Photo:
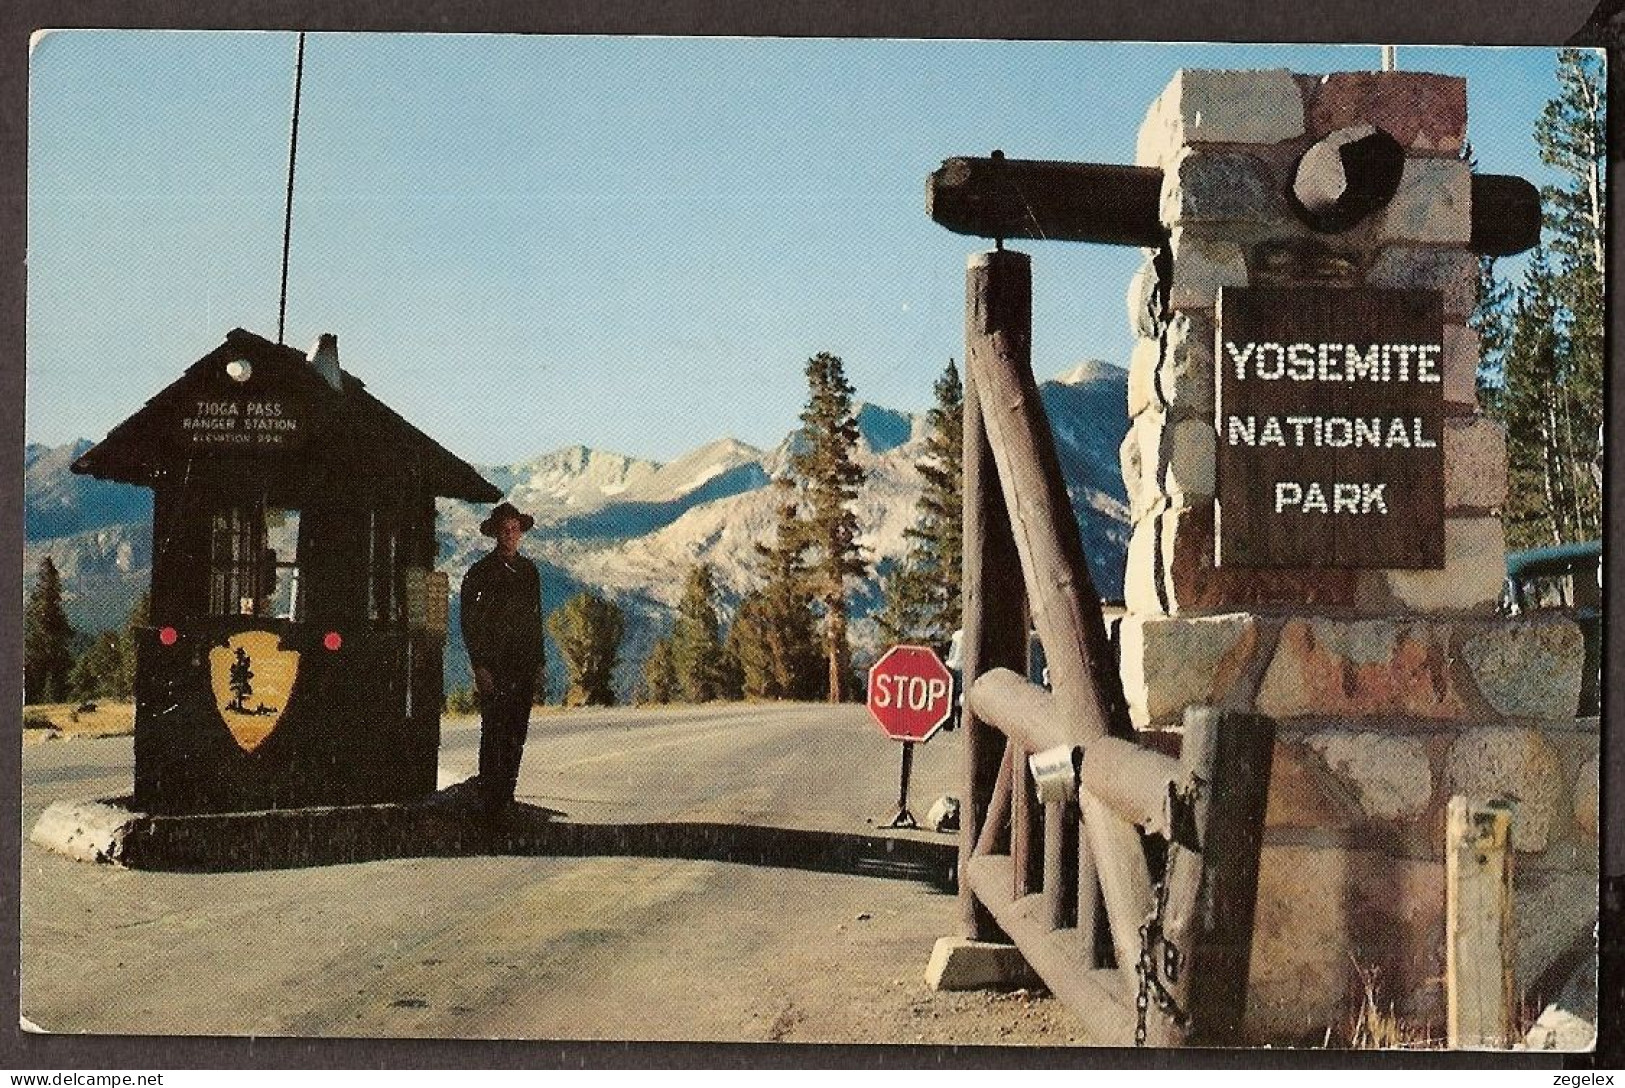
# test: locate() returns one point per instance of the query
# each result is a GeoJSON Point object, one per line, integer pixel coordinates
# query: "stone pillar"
{"type": "Point", "coordinates": [1393, 688]}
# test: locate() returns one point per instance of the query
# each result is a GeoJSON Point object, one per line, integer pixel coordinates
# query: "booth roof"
{"type": "Point", "coordinates": [348, 425]}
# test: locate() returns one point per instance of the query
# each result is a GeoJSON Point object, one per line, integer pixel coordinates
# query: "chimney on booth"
{"type": "Point", "coordinates": [325, 358]}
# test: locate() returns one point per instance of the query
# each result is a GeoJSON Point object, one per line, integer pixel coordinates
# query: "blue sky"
{"type": "Point", "coordinates": [633, 244]}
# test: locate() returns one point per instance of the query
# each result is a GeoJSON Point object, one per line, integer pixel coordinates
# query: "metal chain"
{"type": "Point", "coordinates": [1146, 966]}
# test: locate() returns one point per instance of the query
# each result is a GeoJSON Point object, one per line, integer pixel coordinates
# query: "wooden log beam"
{"type": "Point", "coordinates": [1019, 709]}
{"type": "Point", "coordinates": [1066, 608]}
{"type": "Point", "coordinates": [1133, 781]}
{"type": "Point", "coordinates": [1213, 888]}
{"type": "Point", "coordinates": [1034, 831]}
{"type": "Point", "coordinates": [1118, 205]}
{"type": "Point", "coordinates": [1130, 785]}
{"type": "Point", "coordinates": [1064, 602]}
{"type": "Point", "coordinates": [1023, 818]}
{"type": "Point", "coordinates": [1058, 201]}
{"type": "Point", "coordinates": [994, 620]}
{"type": "Point", "coordinates": [995, 834]}
{"type": "Point", "coordinates": [1062, 958]}
{"type": "Point", "coordinates": [1060, 874]}
{"type": "Point", "coordinates": [1345, 176]}
{"type": "Point", "coordinates": [1505, 215]}
{"type": "Point", "coordinates": [1087, 912]}
{"type": "Point", "coordinates": [1125, 881]}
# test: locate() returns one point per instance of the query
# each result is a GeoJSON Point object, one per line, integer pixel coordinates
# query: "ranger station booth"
{"type": "Point", "coordinates": [293, 656]}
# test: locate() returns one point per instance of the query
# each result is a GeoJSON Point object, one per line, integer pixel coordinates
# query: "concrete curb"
{"type": "Point", "coordinates": [92, 831]}
{"type": "Point", "coordinates": [111, 832]}
{"type": "Point", "coordinates": [442, 825]}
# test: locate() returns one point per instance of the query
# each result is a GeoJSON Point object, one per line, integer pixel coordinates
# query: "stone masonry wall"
{"type": "Point", "coordinates": [1227, 143]}
{"type": "Point", "coordinates": [1392, 689]}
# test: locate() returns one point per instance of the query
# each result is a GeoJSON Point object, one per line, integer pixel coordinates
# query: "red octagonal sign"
{"type": "Point", "coordinates": [911, 693]}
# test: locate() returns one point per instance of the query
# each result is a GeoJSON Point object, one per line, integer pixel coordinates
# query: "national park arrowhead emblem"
{"type": "Point", "coordinates": [252, 677]}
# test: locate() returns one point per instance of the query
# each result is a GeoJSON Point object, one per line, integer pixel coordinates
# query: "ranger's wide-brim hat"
{"type": "Point", "coordinates": [505, 510]}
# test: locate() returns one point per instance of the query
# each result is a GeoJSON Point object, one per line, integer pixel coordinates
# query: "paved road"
{"type": "Point", "coordinates": [534, 947]}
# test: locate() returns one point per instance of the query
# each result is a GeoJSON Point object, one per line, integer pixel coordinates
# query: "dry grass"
{"type": "Point", "coordinates": [1377, 1026]}
{"type": "Point", "coordinates": [103, 718]}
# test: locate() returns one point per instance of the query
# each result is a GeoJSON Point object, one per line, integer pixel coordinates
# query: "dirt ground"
{"type": "Point", "coordinates": [100, 718]}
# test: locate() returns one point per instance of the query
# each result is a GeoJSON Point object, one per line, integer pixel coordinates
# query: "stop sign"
{"type": "Point", "coordinates": [911, 693]}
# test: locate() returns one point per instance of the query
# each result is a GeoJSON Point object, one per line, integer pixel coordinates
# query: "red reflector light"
{"type": "Point", "coordinates": [332, 640]}
{"type": "Point", "coordinates": [168, 636]}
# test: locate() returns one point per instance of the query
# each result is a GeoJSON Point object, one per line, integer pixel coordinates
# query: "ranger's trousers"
{"type": "Point", "coordinates": [504, 721]}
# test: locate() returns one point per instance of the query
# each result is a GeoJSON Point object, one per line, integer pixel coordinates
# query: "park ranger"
{"type": "Point", "coordinates": [502, 628]}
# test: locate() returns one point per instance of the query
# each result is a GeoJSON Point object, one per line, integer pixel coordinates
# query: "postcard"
{"type": "Point", "coordinates": [813, 540]}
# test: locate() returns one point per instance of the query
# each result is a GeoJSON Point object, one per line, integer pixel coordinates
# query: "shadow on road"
{"type": "Point", "coordinates": [775, 847]}
{"type": "Point", "coordinates": [448, 827]}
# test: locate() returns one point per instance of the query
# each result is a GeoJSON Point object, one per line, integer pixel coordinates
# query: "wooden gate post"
{"type": "Point", "coordinates": [1087, 693]}
{"type": "Point", "coordinates": [995, 607]}
{"type": "Point", "coordinates": [1478, 923]}
{"type": "Point", "coordinates": [1065, 605]}
{"type": "Point", "coordinates": [1212, 873]}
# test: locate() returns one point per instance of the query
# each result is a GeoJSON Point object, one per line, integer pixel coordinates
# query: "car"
{"type": "Point", "coordinates": [1565, 578]}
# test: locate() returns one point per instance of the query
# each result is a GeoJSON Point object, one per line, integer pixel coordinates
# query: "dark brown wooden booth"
{"type": "Point", "coordinates": [293, 656]}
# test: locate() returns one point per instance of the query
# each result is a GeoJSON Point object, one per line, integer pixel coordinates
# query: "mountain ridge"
{"type": "Point", "coordinates": [626, 526]}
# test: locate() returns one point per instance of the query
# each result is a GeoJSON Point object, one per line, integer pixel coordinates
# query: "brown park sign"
{"type": "Point", "coordinates": [1330, 412]}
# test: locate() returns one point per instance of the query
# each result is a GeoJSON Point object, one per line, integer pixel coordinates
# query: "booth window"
{"type": "Point", "coordinates": [281, 591]}
{"type": "Point", "coordinates": [385, 591]}
{"type": "Point", "coordinates": [253, 562]}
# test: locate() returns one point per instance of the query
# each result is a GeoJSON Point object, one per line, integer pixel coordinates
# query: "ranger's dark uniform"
{"type": "Point", "coordinates": [502, 628]}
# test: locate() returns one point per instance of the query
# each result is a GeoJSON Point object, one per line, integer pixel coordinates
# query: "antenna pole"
{"type": "Point", "coordinates": [287, 218]}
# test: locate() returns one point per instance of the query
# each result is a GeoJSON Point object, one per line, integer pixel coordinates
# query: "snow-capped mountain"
{"type": "Point", "coordinates": [57, 503]}
{"type": "Point", "coordinates": [624, 526]}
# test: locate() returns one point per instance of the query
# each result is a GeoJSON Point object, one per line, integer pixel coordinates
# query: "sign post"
{"type": "Point", "coordinates": [903, 817]}
{"type": "Point", "coordinates": [910, 698]}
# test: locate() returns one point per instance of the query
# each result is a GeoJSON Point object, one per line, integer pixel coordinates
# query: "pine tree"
{"type": "Point", "coordinates": [774, 640]}
{"type": "Point", "coordinates": [659, 674]}
{"type": "Point", "coordinates": [240, 679]}
{"type": "Point", "coordinates": [140, 616]}
{"type": "Point", "coordinates": [828, 477]}
{"type": "Point", "coordinates": [47, 659]}
{"type": "Point", "coordinates": [588, 630]}
{"type": "Point", "coordinates": [1523, 370]}
{"type": "Point", "coordinates": [97, 671]}
{"type": "Point", "coordinates": [731, 672]}
{"type": "Point", "coordinates": [1548, 497]}
{"type": "Point", "coordinates": [775, 632]}
{"type": "Point", "coordinates": [749, 644]}
{"type": "Point", "coordinates": [696, 639]}
{"type": "Point", "coordinates": [923, 591]}
{"type": "Point", "coordinates": [1543, 359]}
{"type": "Point", "coordinates": [1572, 136]}
{"type": "Point", "coordinates": [1490, 319]}
{"type": "Point", "coordinates": [106, 667]}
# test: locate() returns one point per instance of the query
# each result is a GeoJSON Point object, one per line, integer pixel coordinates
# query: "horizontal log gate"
{"type": "Point", "coordinates": [1173, 970]}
